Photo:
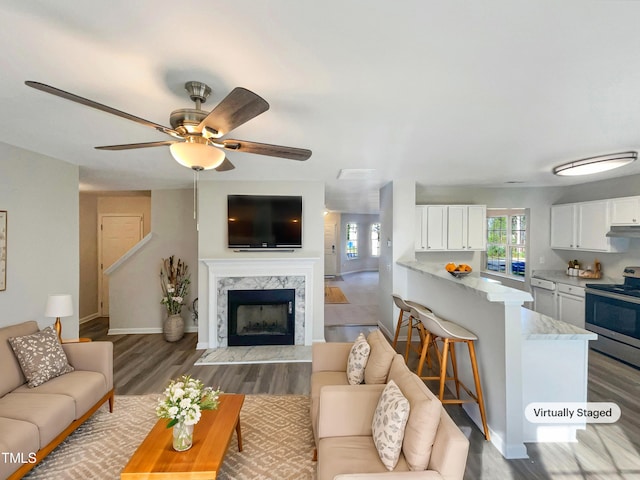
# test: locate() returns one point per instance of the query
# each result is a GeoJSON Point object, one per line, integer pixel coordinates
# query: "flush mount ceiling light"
{"type": "Point", "coordinates": [598, 164]}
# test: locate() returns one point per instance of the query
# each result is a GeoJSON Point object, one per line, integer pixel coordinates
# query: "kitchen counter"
{"type": "Point", "coordinates": [488, 288]}
{"type": "Point", "coordinates": [559, 276]}
{"type": "Point", "coordinates": [536, 326]}
{"type": "Point", "coordinates": [517, 351]}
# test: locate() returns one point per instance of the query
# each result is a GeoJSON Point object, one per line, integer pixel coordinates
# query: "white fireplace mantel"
{"type": "Point", "coordinates": [224, 268]}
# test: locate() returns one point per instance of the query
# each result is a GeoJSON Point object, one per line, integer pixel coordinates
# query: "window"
{"type": "Point", "coordinates": [352, 240]}
{"type": "Point", "coordinates": [506, 241]}
{"type": "Point", "coordinates": [375, 240]}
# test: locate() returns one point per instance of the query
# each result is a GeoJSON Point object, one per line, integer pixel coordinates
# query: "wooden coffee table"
{"type": "Point", "coordinates": [156, 459]}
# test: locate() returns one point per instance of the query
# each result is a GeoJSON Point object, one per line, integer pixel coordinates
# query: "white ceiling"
{"type": "Point", "coordinates": [444, 92]}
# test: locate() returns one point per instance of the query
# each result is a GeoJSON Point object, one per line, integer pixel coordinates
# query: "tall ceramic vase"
{"type": "Point", "coordinates": [173, 328]}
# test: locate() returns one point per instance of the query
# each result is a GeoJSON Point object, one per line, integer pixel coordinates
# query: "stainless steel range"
{"type": "Point", "coordinates": [613, 312]}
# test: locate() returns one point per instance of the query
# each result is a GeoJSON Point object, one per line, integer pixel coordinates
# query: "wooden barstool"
{"type": "Point", "coordinates": [407, 319]}
{"type": "Point", "coordinates": [451, 333]}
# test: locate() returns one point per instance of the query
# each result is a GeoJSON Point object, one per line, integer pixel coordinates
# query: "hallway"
{"type": "Point", "coordinates": [344, 321]}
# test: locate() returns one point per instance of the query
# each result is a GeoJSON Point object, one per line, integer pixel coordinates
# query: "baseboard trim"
{"type": "Point", "coordinates": [359, 271]}
{"type": "Point", "coordinates": [88, 318]}
{"type": "Point", "coordinates": [144, 330]}
{"type": "Point", "coordinates": [386, 332]}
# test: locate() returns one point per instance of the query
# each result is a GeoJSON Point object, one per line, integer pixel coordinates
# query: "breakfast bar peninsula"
{"type": "Point", "coordinates": [517, 351]}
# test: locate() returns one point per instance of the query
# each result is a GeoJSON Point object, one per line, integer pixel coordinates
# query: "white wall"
{"type": "Point", "coordinates": [135, 294]}
{"type": "Point", "coordinates": [212, 241]}
{"type": "Point", "coordinates": [40, 195]}
{"type": "Point", "coordinates": [397, 219]}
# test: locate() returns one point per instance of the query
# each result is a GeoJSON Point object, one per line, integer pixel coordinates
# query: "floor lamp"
{"type": "Point", "coordinates": [59, 305]}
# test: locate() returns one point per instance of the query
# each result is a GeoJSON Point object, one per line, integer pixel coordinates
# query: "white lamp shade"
{"type": "Point", "coordinates": [197, 155]}
{"type": "Point", "coordinates": [59, 305]}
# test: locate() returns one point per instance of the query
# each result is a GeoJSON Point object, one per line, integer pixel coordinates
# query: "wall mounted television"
{"type": "Point", "coordinates": [264, 221]}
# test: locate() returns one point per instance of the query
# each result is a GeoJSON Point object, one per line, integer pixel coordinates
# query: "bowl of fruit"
{"type": "Point", "coordinates": [458, 271]}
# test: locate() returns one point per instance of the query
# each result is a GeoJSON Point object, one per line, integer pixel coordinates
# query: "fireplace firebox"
{"type": "Point", "coordinates": [261, 317]}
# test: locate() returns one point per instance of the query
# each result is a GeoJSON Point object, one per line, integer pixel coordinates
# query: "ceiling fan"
{"type": "Point", "coordinates": [197, 134]}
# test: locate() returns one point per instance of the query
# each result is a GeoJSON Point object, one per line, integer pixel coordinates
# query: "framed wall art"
{"type": "Point", "coordinates": [3, 250]}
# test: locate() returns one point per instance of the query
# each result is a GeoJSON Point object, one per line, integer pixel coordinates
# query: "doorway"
{"type": "Point", "coordinates": [117, 234]}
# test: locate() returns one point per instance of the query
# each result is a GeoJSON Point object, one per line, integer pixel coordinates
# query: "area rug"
{"type": "Point", "coordinates": [334, 295]}
{"type": "Point", "coordinates": [276, 436]}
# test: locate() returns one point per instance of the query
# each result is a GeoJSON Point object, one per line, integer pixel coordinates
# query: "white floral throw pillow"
{"type": "Point", "coordinates": [388, 424]}
{"type": "Point", "coordinates": [357, 360]}
{"type": "Point", "coordinates": [41, 356]}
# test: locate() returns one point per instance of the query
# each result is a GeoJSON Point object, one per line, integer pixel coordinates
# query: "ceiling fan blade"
{"type": "Point", "coordinates": [291, 153]}
{"type": "Point", "coordinates": [225, 166]}
{"type": "Point", "coordinates": [90, 103]}
{"type": "Point", "coordinates": [130, 146]}
{"type": "Point", "coordinates": [240, 106]}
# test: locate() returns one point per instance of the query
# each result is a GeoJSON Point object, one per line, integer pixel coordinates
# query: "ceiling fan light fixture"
{"type": "Point", "coordinates": [197, 154]}
{"type": "Point", "coordinates": [597, 164]}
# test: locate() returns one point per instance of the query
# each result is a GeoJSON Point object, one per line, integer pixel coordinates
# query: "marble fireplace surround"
{"type": "Point", "coordinates": [259, 274]}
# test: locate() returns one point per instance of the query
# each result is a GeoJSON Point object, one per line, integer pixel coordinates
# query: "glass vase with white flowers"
{"type": "Point", "coordinates": [182, 403]}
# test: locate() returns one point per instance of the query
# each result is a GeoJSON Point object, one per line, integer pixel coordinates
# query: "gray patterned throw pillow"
{"type": "Point", "coordinates": [357, 360]}
{"type": "Point", "coordinates": [41, 356]}
{"type": "Point", "coordinates": [388, 424]}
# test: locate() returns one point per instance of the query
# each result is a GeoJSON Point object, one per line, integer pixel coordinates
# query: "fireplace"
{"type": "Point", "coordinates": [261, 317]}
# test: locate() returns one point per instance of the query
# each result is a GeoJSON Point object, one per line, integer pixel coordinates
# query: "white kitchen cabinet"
{"type": "Point", "coordinates": [450, 227]}
{"type": "Point", "coordinates": [420, 229]}
{"type": "Point", "coordinates": [477, 227]}
{"type": "Point", "coordinates": [457, 228]}
{"type": "Point", "coordinates": [563, 226]}
{"type": "Point", "coordinates": [592, 226]}
{"type": "Point", "coordinates": [584, 226]}
{"type": "Point", "coordinates": [571, 304]}
{"type": "Point", "coordinates": [544, 297]}
{"type": "Point", "coordinates": [431, 228]}
{"type": "Point", "coordinates": [625, 211]}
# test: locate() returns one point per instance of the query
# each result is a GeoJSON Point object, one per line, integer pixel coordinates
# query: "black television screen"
{"type": "Point", "coordinates": [264, 221]}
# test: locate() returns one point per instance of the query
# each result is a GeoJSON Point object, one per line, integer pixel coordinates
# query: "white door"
{"type": "Point", "coordinates": [330, 256]}
{"type": "Point", "coordinates": [116, 236]}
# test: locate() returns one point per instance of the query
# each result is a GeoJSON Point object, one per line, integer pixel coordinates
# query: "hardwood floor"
{"type": "Point", "coordinates": [145, 363]}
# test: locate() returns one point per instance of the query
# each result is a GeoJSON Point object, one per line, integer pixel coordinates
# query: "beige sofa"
{"type": "Point", "coordinates": [33, 421]}
{"type": "Point", "coordinates": [433, 446]}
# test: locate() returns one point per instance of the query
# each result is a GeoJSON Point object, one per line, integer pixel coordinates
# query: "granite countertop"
{"type": "Point", "coordinates": [560, 276]}
{"type": "Point", "coordinates": [536, 326]}
{"type": "Point", "coordinates": [492, 290]}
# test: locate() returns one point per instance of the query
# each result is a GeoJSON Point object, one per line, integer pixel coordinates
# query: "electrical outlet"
{"type": "Point", "coordinates": [541, 260]}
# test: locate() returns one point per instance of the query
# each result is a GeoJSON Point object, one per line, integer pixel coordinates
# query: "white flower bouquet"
{"type": "Point", "coordinates": [184, 399]}
{"type": "Point", "coordinates": [174, 281]}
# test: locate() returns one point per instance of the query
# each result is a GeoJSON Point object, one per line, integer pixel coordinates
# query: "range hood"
{"type": "Point", "coordinates": [631, 231]}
